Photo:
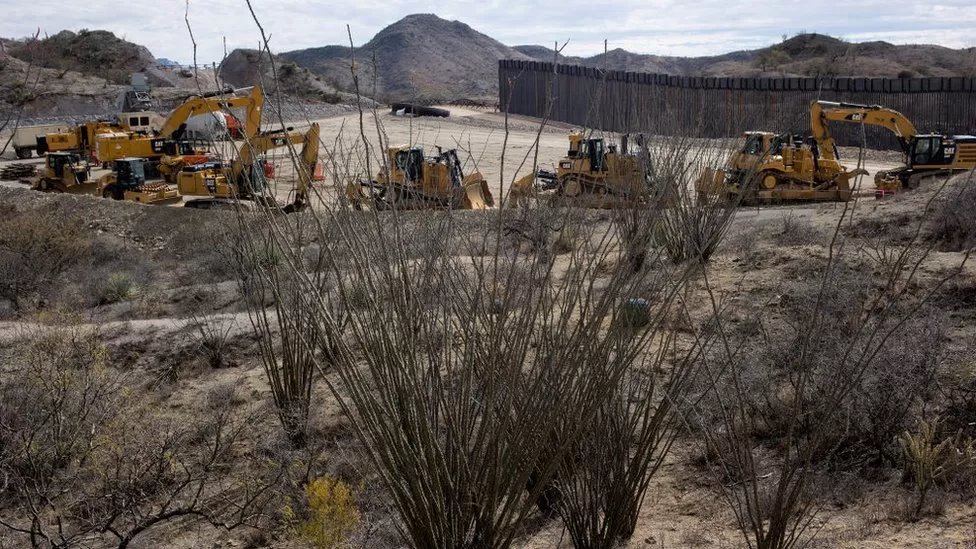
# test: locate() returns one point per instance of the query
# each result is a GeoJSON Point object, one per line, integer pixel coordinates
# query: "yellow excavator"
{"type": "Point", "coordinates": [218, 185]}
{"type": "Point", "coordinates": [416, 181]}
{"type": "Point", "coordinates": [64, 172]}
{"type": "Point", "coordinates": [166, 151]}
{"type": "Point", "coordinates": [926, 155]}
{"type": "Point", "coordinates": [592, 174]}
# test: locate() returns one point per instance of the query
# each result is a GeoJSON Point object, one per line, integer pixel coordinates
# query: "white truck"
{"type": "Point", "coordinates": [24, 140]}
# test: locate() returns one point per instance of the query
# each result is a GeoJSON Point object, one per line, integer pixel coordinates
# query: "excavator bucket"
{"type": "Point", "coordinates": [476, 193]}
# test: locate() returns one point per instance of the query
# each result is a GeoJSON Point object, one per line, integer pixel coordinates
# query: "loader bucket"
{"type": "Point", "coordinates": [476, 193]}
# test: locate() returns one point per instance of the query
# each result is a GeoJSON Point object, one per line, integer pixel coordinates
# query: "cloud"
{"type": "Point", "coordinates": [663, 27]}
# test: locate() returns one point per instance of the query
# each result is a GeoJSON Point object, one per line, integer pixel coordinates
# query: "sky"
{"type": "Point", "coordinates": [661, 27]}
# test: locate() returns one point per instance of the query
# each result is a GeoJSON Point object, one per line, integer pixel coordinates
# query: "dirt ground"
{"type": "Point", "coordinates": [478, 135]}
{"type": "Point", "coordinates": [149, 332]}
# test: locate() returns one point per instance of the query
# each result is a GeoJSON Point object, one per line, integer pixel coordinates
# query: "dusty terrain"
{"type": "Point", "coordinates": [173, 258]}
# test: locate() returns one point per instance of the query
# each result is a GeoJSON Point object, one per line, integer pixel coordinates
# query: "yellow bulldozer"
{"type": "Point", "coordinates": [592, 174]}
{"type": "Point", "coordinates": [64, 172]}
{"type": "Point", "coordinates": [771, 167]}
{"type": "Point", "coordinates": [218, 184]}
{"type": "Point", "coordinates": [412, 180]}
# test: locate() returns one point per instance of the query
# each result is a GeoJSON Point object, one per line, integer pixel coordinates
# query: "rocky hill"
{"type": "Point", "coordinates": [71, 76]}
{"type": "Point", "coordinates": [245, 67]}
{"type": "Point", "coordinates": [94, 53]}
{"type": "Point", "coordinates": [802, 55]}
{"type": "Point", "coordinates": [419, 57]}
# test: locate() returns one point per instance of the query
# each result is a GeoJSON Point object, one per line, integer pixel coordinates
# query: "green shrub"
{"type": "Point", "coordinates": [330, 516]}
{"type": "Point", "coordinates": [117, 287]}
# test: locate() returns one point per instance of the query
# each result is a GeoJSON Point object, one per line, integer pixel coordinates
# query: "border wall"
{"type": "Point", "coordinates": [628, 102]}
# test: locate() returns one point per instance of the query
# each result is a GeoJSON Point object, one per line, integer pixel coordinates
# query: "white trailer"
{"type": "Point", "coordinates": [24, 141]}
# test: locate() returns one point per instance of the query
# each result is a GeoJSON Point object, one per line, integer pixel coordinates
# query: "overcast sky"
{"type": "Point", "coordinates": [663, 27]}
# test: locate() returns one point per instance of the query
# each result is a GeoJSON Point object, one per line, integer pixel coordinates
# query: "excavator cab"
{"type": "Point", "coordinates": [927, 149]}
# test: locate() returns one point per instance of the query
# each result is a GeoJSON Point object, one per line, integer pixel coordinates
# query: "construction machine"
{"type": "Point", "coordinates": [166, 152]}
{"type": "Point", "coordinates": [415, 181]}
{"type": "Point", "coordinates": [926, 155]}
{"type": "Point", "coordinates": [128, 182]}
{"type": "Point", "coordinates": [783, 167]}
{"type": "Point", "coordinates": [64, 173]}
{"type": "Point", "coordinates": [78, 139]}
{"type": "Point", "coordinates": [218, 184]}
{"type": "Point", "coordinates": [592, 174]}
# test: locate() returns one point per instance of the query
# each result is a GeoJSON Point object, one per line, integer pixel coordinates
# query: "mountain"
{"type": "Point", "coordinates": [802, 55]}
{"type": "Point", "coordinates": [420, 57]}
{"type": "Point", "coordinates": [245, 67]}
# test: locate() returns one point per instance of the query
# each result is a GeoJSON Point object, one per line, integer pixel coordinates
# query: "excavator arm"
{"type": "Point", "coordinates": [308, 158]}
{"type": "Point", "coordinates": [201, 105]}
{"type": "Point", "coordinates": [822, 112]}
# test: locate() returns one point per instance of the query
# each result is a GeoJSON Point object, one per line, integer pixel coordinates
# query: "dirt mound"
{"type": "Point", "coordinates": [419, 57]}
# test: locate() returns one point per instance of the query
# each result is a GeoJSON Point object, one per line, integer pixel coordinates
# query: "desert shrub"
{"type": "Point", "coordinates": [328, 516]}
{"type": "Point", "coordinates": [953, 223]}
{"type": "Point", "coordinates": [794, 230]}
{"type": "Point", "coordinates": [884, 395]}
{"type": "Point", "coordinates": [210, 332]}
{"type": "Point", "coordinates": [36, 248]}
{"type": "Point", "coordinates": [930, 462]}
{"type": "Point", "coordinates": [117, 287]}
{"type": "Point", "coordinates": [86, 463]}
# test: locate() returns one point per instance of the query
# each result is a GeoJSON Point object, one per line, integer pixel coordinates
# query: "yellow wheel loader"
{"type": "Point", "coordinates": [128, 182]}
{"type": "Point", "coordinates": [415, 181]}
{"type": "Point", "coordinates": [592, 175]}
{"type": "Point", "coordinates": [64, 173]}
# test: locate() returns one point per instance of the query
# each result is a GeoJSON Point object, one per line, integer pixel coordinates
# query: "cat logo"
{"type": "Point", "coordinates": [855, 117]}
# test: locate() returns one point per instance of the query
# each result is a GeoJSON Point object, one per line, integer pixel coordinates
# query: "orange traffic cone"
{"type": "Point", "coordinates": [319, 173]}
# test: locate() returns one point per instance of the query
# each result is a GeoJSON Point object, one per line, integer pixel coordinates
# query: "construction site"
{"type": "Point", "coordinates": [537, 304]}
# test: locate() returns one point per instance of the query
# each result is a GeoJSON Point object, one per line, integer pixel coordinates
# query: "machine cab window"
{"type": "Point", "coordinates": [754, 145]}
{"type": "Point", "coordinates": [596, 151]}
{"type": "Point", "coordinates": [411, 162]}
{"type": "Point", "coordinates": [927, 150]}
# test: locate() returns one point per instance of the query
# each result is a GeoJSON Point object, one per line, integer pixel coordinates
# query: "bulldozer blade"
{"type": "Point", "coordinates": [476, 192]}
